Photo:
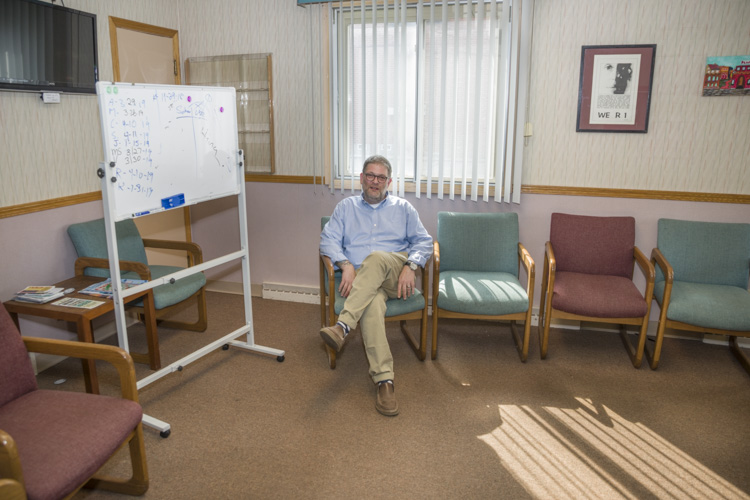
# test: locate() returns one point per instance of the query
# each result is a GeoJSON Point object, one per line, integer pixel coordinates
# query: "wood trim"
{"type": "Point", "coordinates": [269, 70]}
{"type": "Point", "coordinates": [284, 179]}
{"type": "Point", "coordinates": [38, 206]}
{"type": "Point", "coordinates": [638, 193]}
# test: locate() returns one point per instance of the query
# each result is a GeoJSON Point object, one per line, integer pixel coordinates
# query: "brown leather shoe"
{"type": "Point", "coordinates": [386, 401]}
{"type": "Point", "coordinates": [334, 336]}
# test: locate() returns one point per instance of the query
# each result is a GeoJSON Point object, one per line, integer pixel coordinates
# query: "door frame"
{"type": "Point", "coordinates": [116, 22]}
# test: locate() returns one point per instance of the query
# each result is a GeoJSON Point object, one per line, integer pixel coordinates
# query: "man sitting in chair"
{"type": "Point", "coordinates": [378, 242]}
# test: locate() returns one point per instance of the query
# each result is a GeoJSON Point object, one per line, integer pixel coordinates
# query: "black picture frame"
{"type": "Point", "coordinates": [615, 88]}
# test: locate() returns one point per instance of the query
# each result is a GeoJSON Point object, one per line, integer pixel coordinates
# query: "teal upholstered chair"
{"type": "Point", "coordinates": [414, 308]}
{"type": "Point", "coordinates": [702, 271]}
{"type": "Point", "coordinates": [588, 276]}
{"type": "Point", "coordinates": [90, 242]}
{"type": "Point", "coordinates": [476, 266]}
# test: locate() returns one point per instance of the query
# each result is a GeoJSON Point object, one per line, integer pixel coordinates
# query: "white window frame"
{"type": "Point", "coordinates": [510, 111]}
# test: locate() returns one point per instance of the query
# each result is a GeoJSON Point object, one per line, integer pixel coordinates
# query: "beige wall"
{"type": "Point", "coordinates": [694, 143]}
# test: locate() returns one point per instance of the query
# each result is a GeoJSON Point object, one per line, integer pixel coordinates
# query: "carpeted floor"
{"type": "Point", "coordinates": [474, 423]}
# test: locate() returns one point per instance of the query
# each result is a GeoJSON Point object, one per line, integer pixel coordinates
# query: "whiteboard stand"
{"type": "Point", "coordinates": [192, 125]}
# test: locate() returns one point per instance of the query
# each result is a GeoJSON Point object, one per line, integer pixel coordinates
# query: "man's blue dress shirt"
{"type": "Point", "coordinates": [356, 229]}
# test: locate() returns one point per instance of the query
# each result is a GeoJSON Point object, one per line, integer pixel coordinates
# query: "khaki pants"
{"type": "Point", "coordinates": [375, 283]}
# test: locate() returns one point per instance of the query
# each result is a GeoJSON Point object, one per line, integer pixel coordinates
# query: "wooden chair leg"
{"type": "Point", "coordinates": [137, 484]}
{"type": "Point", "coordinates": [522, 346]}
{"type": "Point", "coordinates": [418, 348]}
{"type": "Point", "coordinates": [654, 358]}
{"type": "Point", "coordinates": [198, 326]}
{"type": "Point", "coordinates": [434, 331]}
{"type": "Point", "coordinates": [635, 353]}
{"type": "Point", "coordinates": [739, 353]}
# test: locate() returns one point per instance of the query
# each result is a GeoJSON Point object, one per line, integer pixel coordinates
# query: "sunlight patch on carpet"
{"type": "Point", "coordinates": [592, 452]}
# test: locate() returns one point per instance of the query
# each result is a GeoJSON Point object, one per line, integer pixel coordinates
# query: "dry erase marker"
{"type": "Point", "coordinates": [141, 213]}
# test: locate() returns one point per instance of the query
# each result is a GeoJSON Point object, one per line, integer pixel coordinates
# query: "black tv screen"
{"type": "Point", "coordinates": [46, 47]}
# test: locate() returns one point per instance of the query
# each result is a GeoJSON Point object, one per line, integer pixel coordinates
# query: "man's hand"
{"type": "Point", "coordinates": [406, 282]}
{"type": "Point", "coordinates": [347, 277]}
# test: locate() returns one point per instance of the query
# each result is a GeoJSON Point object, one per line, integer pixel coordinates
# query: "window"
{"type": "Point", "coordinates": [428, 86]}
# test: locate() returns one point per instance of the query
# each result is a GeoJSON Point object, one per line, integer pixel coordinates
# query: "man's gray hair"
{"type": "Point", "coordinates": [382, 160]}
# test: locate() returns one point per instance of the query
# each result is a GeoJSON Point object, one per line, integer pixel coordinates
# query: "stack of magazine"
{"type": "Point", "coordinates": [104, 289]}
{"type": "Point", "coordinates": [38, 294]}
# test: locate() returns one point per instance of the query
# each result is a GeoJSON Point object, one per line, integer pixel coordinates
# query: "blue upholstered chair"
{"type": "Point", "coordinates": [414, 308]}
{"type": "Point", "coordinates": [702, 271]}
{"type": "Point", "coordinates": [53, 442]}
{"type": "Point", "coordinates": [90, 242]}
{"type": "Point", "coordinates": [476, 266]}
{"type": "Point", "coordinates": [588, 276]}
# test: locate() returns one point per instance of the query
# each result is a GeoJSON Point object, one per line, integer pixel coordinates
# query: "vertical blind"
{"type": "Point", "coordinates": [436, 87]}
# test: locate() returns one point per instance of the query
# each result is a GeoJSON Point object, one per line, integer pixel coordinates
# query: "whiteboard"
{"type": "Point", "coordinates": [167, 146]}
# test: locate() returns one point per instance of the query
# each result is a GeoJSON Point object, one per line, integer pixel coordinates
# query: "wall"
{"type": "Point", "coordinates": [283, 218]}
{"type": "Point", "coordinates": [687, 132]}
{"type": "Point", "coordinates": [65, 139]}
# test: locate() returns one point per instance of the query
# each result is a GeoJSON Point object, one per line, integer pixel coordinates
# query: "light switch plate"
{"type": "Point", "coordinates": [51, 97]}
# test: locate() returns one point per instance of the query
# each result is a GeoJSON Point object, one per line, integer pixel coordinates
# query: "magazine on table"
{"type": "Point", "coordinates": [78, 303]}
{"type": "Point", "coordinates": [38, 294]}
{"type": "Point", "coordinates": [104, 289]}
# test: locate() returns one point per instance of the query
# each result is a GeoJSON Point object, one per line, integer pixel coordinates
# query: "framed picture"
{"type": "Point", "coordinates": [614, 93]}
{"type": "Point", "coordinates": [727, 76]}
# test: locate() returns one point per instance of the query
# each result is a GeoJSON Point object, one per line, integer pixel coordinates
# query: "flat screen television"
{"type": "Point", "coordinates": [46, 47]}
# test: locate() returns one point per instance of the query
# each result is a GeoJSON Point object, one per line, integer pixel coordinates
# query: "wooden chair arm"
{"type": "Point", "coordinates": [435, 270]}
{"type": "Point", "coordinates": [524, 257]}
{"type": "Point", "coordinates": [125, 265]}
{"type": "Point", "coordinates": [10, 489]}
{"type": "Point", "coordinates": [648, 271]}
{"type": "Point", "coordinates": [426, 277]}
{"type": "Point", "coordinates": [328, 268]}
{"type": "Point", "coordinates": [658, 259]}
{"type": "Point", "coordinates": [327, 263]}
{"type": "Point", "coordinates": [120, 359]}
{"type": "Point", "coordinates": [194, 251]}
{"type": "Point", "coordinates": [10, 469]}
{"type": "Point", "coordinates": [549, 257]}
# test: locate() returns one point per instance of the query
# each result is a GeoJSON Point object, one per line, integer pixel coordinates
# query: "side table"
{"type": "Point", "coordinates": [83, 318]}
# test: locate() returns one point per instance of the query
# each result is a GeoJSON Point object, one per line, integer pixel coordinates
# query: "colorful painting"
{"type": "Point", "coordinates": [727, 76]}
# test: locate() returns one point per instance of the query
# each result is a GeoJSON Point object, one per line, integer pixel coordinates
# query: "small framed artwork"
{"type": "Point", "coordinates": [727, 76]}
{"type": "Point", "coordinates": [614, 93]}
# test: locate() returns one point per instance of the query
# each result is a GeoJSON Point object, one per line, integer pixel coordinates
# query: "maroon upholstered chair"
{"type": "Point", "coordinates": [588, 276]}
{"type": "Point", "coordinates": [52, 443]}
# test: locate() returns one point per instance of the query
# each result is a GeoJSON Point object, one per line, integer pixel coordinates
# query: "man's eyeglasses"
{"type": "Point", "coordinates": [372, 177]}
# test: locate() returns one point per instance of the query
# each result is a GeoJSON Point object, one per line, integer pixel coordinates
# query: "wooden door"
{"type": "Point", "coordinates": [143, 53]}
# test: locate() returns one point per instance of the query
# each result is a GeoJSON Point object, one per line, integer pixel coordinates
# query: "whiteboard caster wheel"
{"type": "Point", "coordinates": [280, 359]}
{"type": "Point", "coordinates": [165, 434]}
{"type": "Point", "coordinates": [225, 347]}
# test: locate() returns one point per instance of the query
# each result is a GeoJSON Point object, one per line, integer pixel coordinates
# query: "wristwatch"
{"type": "Point", "coordinates": [412, 265]}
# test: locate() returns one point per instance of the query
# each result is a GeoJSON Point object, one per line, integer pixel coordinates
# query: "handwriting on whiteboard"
{"type": "Point", "coordinates": [133, 130]}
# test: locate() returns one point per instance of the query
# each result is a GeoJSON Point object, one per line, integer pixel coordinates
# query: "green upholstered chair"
{"type": "Point", "coordinates": [702, 271]}
{"type": "Point", "coordinates": [414, 308]}
{"type": "Point", "coordinates": [476, 266]}
{"type": "Point", "coordinates": [53, 442]}
{"type": "Point", "coordinates": [90, 242]}
{"type": "Point", "coordinates": [588, 276]}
